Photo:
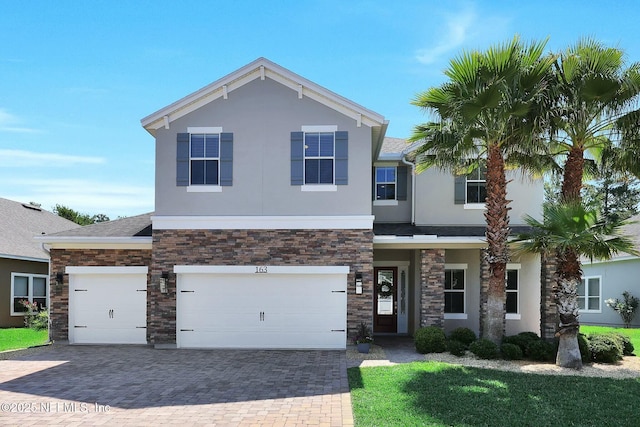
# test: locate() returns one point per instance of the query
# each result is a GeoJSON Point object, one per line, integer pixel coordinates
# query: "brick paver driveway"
{"type": "Point", "coordinates": [117, 385]}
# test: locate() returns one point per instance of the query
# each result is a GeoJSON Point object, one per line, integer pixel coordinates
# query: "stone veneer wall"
{"type": "Point", "coordinates": [432, 287]}
{"type": "Point", "coordinates": [548, 311]}
{"type": "Point", "coordinates": [59, 295]}
{"type": "Point", "coordinates": [353, 248]}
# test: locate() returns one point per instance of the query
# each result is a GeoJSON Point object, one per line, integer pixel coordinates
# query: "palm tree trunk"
{"type": "Point", "coordinates": [566, 295]}
{"type": "Point", "coordinates": [497, 233]}
{"type": "Point", "coordinates": [569, 272]}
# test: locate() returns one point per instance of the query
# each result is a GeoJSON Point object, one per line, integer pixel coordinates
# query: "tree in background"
{"type": "Point", "coordinates": [78, 218]}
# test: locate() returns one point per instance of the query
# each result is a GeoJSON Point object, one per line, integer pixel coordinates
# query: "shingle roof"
{"type": "Point", "coordinates": [20, 223]}
{"type": "Point", "coordinates": [393, 145]}
{"type": "Point", "coordinates": [134, 226]}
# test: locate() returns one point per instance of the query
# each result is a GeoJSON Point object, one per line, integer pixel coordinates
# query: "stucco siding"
{"type": "Point", "coordinates": [261, 115]}
{"type": "Point", "coordinates": [435, 200]}
{"type": "Point", "coordinates": [616, 277]}
{"type": "Point", "coordinates": [8, 266]}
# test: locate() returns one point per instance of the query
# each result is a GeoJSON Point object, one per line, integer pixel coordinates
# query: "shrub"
{"type": "Point", "coordinates": [625, 308]}
{"type": "Point", "coordinates": [541, 351]}
{"type": "Point", "coordinates": [605, 348]}
{"type": "Point", "coordinates": [511, 351]}
{"type": "Point", "coordinates": [463, 335]}
{"type": "Point", "coordinates": [484, 349]}
{"type": "Point", "coordinates": [522, 340]}
{"type": "Point", "coordinates": [430, 339]}
{"type": "Point", "coordinates": [35, 318]}
{"type": "Point", "coordinates": [457, 348]}
{"type": "Point", "coordinates": [627, 345]}
{"type": "Point", "coordinates": [583, 343]}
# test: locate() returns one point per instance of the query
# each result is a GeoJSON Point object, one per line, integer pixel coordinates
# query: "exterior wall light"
{"type": "Point", "coordinates": [163, 282]}
{"type": "Point", "coordinates": [358, 283]}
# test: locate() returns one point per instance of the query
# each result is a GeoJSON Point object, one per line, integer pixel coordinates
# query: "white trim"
{"type": "Point", "coordinates": [515, 266]}
{"type": "Point", "coordinates": [23, 258]}
{"type": "Point", "coordinates": [29, 297]}
{"type": "Point", "coordinates": [249, 73]}
{"type": "Point", "coordinates": [84, 242]}
{"type": "Point", "coordinates": [513, 316]}
{"type": "Point", "coordinates": [204, 189]}
{"type": "Point", "coordinates": [209, 129]}
{"type": "Point", "coordinates": [353, 222]}
{"type": "Point", "coordinates": [106, 270]}
{"type": "Point", "coordinates": [456, 316]}
{"type": "Point", "coordinates": [260, 269]}
{"type": "Point", "coordinates": [385, 203]}
{"type": "Point", "coordinates": [586, 296]}
{"type": "Point", "coordinates": [319, 187]}
{"type": "Point", "coordinates": [319, 128]}
{"type": "Point", "coordinates": [475, 206]}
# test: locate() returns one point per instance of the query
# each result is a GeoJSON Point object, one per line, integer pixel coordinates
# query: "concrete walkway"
{"type": "Point", "coordinates": [130, 385]}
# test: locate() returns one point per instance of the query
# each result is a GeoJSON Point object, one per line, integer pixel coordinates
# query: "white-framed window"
{"type": "Point", "coordinates": [319, 158]}
{"type": "Point", "coordinates": [29, 287]}
{"type": "Point", "coordinates": [454, 290]}
{"type": "Point", "coordinates": [589, 294]}
{"type": "Point", "coordinates": [204, 158]}
{"type": "Point", "coordinates": [386, 178]}
{"type": "Point", "coordinates": [513, 292]}
{"type": "Point", "coordinates": [477, 186]}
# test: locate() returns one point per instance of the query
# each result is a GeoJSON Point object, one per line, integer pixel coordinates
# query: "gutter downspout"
{"type": "Point", "coordinates": [413, 181]}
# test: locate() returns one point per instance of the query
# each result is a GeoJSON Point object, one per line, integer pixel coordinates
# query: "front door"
{"type": "Point", "coordinates": [385, 301]}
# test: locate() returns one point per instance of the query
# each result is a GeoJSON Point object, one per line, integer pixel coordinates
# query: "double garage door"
{"type": "Point", "coordinates": [261, 307]}
{"type": "Point", "coordinates": [217, 306]}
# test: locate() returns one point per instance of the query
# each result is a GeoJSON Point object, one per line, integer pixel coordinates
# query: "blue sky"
{"type": "Point", "coordinates": [76, 77]}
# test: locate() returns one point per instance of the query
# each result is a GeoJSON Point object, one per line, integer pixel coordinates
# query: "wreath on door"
{"type": "Point", "coordinates": [385, 290]}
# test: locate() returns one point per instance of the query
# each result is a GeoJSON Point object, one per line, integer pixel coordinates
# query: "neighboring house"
{"type": "Point", "coordinates": [263, 235]}
{"type": "Point", "coordinates": [24, 263]}
{"type": "Point", "coordinates": [603, 280]}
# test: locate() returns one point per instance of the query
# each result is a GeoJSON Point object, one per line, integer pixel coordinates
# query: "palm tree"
{"type": "Point", "coordinates": [595, 95]}
{"type": "Point", "coordinates": [572, 231]}
{"type": "Point", "coordinates": [487, 112]}
{"type": "Point", "coordinates": [593, 112]}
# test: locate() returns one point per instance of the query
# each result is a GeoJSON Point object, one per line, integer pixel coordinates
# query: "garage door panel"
{"type": "Point", "coordinates": [262, 311]}
{"type": "Point", "coordinates": [108, 308]}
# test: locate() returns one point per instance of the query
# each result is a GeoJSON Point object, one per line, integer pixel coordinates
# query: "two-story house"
{"type": "Point", "coordinates": [283, 219]}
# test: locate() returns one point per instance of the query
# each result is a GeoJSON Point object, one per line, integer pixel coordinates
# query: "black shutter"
{"type": "Point", "coordinates": [460, 190]}
{"type": "Point", "coordinates": [182, 160]}
{"type": "Point", "coordinates": [401, 183]}
{"type": "Point", "coordinates": [342, 158]}
{"type": "Point", "coordinates": [226, 159]}
{"type": "Point", "coordinates": [297, 158]}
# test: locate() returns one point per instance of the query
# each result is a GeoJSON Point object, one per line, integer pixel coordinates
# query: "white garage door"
{"type": "Point", "coordinates": [107, 305]}
{"type": "Point", "coordinates": [279, 307]}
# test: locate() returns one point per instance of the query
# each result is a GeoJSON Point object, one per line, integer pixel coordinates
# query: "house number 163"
{"type": "Point", "coordinates": [261, 269]}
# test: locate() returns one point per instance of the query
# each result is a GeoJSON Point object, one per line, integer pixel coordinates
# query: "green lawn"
{"type": "Point", "coordinates": [440, 394]}
{"type": "Point", "coordinates": [12, 338]}
{"type": "Point", "coordinates": [632, 333]}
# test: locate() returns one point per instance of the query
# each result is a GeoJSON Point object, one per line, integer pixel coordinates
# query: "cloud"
{"type": "Point", "coordinates": [455, 34]}
{"type": "Point", "coordinates": [9, 123]}
{"type": "Point", "coordinates": [21, 158]}
{"type": "Point", "coordinates": [85, 196]}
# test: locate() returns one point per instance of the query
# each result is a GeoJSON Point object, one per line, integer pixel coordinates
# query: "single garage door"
{"type": "Point", "coordinates": [262, 307]}
{"type": "Point", "coordinates": [107, 305]}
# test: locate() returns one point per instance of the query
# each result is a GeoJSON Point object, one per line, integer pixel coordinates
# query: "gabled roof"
{"type": "Point", "coordinates": [20, 223]}
{"type": "Point", "coordinates": [262, 68]}
{"type": "Point", "coordinates": [134, 232]}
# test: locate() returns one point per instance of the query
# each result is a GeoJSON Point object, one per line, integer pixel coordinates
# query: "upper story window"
{"type": "Point", "coordinates": [589, 294]}
{"type": "Point", "coordinates": [471, 190]}
{"type": "Point", "coordinates": [477, 186]}
{"type": "Point", "coordinates": [28, 287]}
{"type": "Point", "coordinates": [319, 157]}
{"type": "Point", "coordinates": [204, 158]}
{"type": "Point", "coordinates": [385, 183]}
